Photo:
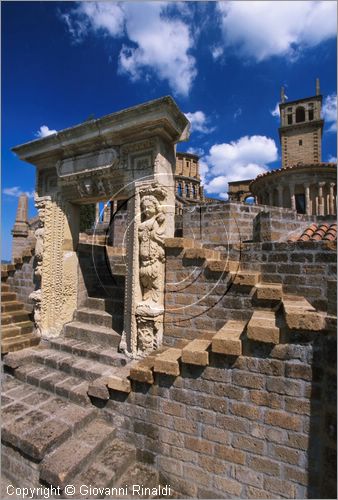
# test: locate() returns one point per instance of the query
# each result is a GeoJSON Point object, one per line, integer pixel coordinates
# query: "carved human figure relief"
{"type": "Point", "coordinates": [151, 236]}
{"type": "Point", "coordinates": [39, 235]}
{"type": "Point", "coordinates": [151, 233]}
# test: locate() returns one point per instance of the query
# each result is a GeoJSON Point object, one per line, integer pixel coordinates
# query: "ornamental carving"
{"type": "Point", "coordinates": [151, 235]}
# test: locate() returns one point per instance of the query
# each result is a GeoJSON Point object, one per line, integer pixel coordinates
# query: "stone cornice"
{"type": "Point", "coordinates": [160, 117]}
{"type": "Point", "coordinates": [299, 125]}
{"type": "Point", "coordinates": [295, 169]}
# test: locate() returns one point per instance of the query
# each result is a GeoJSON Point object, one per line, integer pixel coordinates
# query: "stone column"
{"type": "Point", "coordinates": [331, 199]}
{"type": "Point", "coordinates": [292, 196]}
{"type": "Point", "coordinates": [20, 228]}
{"type": "Point", "coordinates": [280, 195]}
{"type": "Point", "coordinates": [307, 199]}
{"type": "Point", "coordinates": [107, 212]}
{"type": "Point", "coordinates": [271, 198]}
{"type": "Point", "coordinates": [97, 213]}
{"type": "Point", "coordinates": [321, 208]}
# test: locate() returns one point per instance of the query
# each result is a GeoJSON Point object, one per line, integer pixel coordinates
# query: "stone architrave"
{"type": "Point", "coordinates": [114, 157]}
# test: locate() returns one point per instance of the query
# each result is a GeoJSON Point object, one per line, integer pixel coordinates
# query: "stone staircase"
{"type": "Point", "coordinates": [54, 442]}
{"type": "Point", "coordinates": [275, 317]}
{"type": "Point", "coordinates": [86, 351]}
{"type": "Point", "coordinates": [17, 327]}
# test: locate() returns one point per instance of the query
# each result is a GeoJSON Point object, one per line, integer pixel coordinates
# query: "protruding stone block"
{"type": "Point", "coordinates": [269, 291]}
{"type": "Point", "coordinates": [227, 340]}
{"type": "Point", "coordinates": [262, 327]}
{"type": "Point", "coordinates": [196, 352]}
{"type": "Point", "coordinates": [167, 362]}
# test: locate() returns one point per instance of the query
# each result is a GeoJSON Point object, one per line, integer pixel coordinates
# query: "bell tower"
{"type": "Point", "coordinates": [301, 128]}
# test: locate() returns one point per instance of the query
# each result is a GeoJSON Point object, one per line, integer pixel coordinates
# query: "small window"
{"type": "Point", "coordinates": [194, 191]}
{"type": "Point", "coordinates": [187, 192]}
{"type": "Point", "coordinates": [179, 189]}
{"type": "Point", "coordinates": [300, 142]}
{"type": "Point", "coordinates": [289, 119]}
{"type": "Point", "coordinates": [310, 114]}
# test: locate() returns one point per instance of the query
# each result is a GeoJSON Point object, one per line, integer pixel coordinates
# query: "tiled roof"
{"type": "Point", "coordinates": [294, 167]}
{"type": "Point", "coordinates": [317, 232]}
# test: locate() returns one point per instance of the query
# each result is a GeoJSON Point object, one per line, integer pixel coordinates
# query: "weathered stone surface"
{"type": "Point", "coordinates": [227, 340]}
{"type": "Point", "coordinates": [269, 291]}
{"type": "Point", "coordinates": [167, 362]}
{"type": "Point", "coordinates": [196, 352]}
{"type": "Point", "coordinates": [262, 327]}
{"type": "Point", "coordinates": [68, 459]}
{"type": "Point", "coordinates": [300, 315]}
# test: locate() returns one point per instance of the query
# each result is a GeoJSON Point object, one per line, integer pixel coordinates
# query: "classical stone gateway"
{"type": "Point", "coordinates": [129, 154]}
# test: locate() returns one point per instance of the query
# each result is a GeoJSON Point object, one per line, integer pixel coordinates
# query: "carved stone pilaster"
{"type": "Point", "coordinates": [57, 268]}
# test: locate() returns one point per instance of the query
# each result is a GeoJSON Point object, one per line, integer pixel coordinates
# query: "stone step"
{"type": "Point", "coordinates": [106, 469]}
{"type": "Point", "coordinates": [222, 266]}
{"type": "Point", "coordinates": [269, 291]}
{"type": "Point", "coordinates": [60, 467]}
{"type": "Point", "coordinates": [182, 243]}
{"type": "Point", "coordinates": [12, 306]}
{"type": "Point", "coordinates": [246, 278]}
{"type": "Point", "coordinates": [20, 342]}
{"type": "Point", "coordinates": [54, 381]}
{"type": "Point", "coordinates": [114, 307]}
{"type": "Point", "coordinates": [98, 335]}
{"type": "Point", "coordinates": [14, 317]}
{"type": "Point", "coordinates": [262, 327]}
{"type": "Point", "coordinates": [106, 355]}
{"type": "Point", "coordinates": [71, 364]}
{"type": "Point", "coordinates": [8, 296]}
{"type": "Point", "coordinates": [201, 254]}
{"type": "Point", "coordinates": [93, 317]}
{"type": "Point", "coordinates": [7, 267]}
{"type": "Point", "coordinates": [120, 381]}
{"type": "Point", "coordinates": [137, 477]}
{"type": "Point", "coordinates": [196, 352]}
{"type": "Point", "coordinates": [22, 328]}
{"type": "Point", "coordinates": [228, 339]}
{"type": "Point", "coordinates": [36, 423]}
{"type": "Point", "coordinates": [5, 287]}
{"type": "Point", "coordinates": [299, 314]}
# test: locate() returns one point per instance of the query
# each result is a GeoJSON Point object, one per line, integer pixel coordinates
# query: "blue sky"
{"type": "Point", "coordinates": [223, 62]}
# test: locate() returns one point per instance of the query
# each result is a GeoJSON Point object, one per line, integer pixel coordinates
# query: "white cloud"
{"type": "Point", "coordinates": [238, 160]}
{"type": "Point", "coordinates": [237, 113]}
{"type": "Point", "coordinates": [217, 52]}
{"type": "Point", "coordinates": [260, 29]}
{"type": "Point", "coordinates": [275, 111]}
{"type": "Point", "coordinates": [44, 131]}
{"type": "Point", "coordinates": [195, 151]}
{"type": "Point", "coordinates": [162, 43]}
{"type": "Point", "coordinates": [16, 191]}
{"type": "Point", "coordinates": [332, 159]}
{"type": "Point", "coordinates": [329, 111]}
{"type": "Point", "coordinates": [199, 122]}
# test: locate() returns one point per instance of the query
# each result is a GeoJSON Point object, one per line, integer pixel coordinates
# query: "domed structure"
{"type": "Point", "coordinates": [304, 183]}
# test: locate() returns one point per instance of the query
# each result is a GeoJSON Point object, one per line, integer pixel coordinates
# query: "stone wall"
{"type": "Point", "coordinates": [22, 282]}
{"type": "Point", "coordinates": [246, 427]}
{"type": "Point", "coordinates": [232, 222]}
{"type": "Point", "coordinates": [304, 268]}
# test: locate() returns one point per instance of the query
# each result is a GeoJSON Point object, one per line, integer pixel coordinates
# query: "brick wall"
{"type": "Point", "coordinates": [304, 268]}
{"type": "Point", "coordinates": [22, 282]}
{"type": "Point", "coordinates": [233, 222]}
{"type": "Point", "coordinates": [245, 427]}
